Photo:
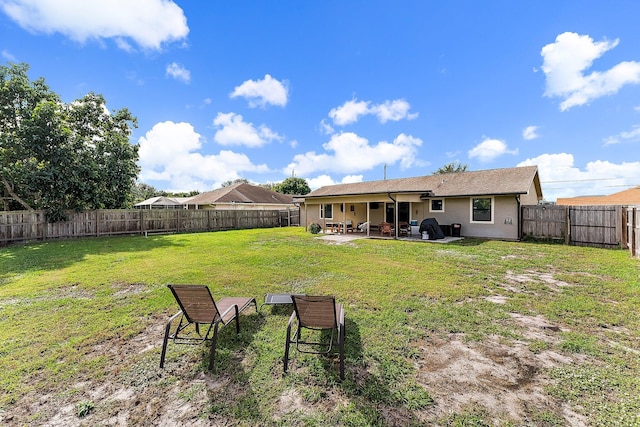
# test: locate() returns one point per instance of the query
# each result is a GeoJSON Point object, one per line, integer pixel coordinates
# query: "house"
{"type": "Point", "coordinates": [162, 202]}
{"type": "Point", "coordinates": [623, 198]}
{"type": "Point", "coordinates": [478, 204]}
{"type": "Point", "coordinates": [241, 196]}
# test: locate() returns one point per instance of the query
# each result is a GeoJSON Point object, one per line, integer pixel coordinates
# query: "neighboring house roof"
{"type": "Point", "coordinates": [487, 182]}
{"type": "Point", "coordinates": [626, 197]}
{"type": "Point", "coordinates": [241, 193]}
{"type": "Point", "coordinates": [163, 201]}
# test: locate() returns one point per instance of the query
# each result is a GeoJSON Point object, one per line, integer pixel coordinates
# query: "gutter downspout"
{"type": "Point", "coordinates": [519, 215]}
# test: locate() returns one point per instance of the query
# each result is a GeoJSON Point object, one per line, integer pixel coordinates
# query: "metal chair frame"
{"type": "Point", "coordinates": [198, 307]}
{"type": "Point", "coordinates": [319, 318]}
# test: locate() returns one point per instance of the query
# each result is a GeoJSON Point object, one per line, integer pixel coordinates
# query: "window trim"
{"type": "Point", "coordinates": [436, 210]}
{"type": "Point", "coordinates": [322, 210]}
{"type": "Point", "coordinates": [492, 213]}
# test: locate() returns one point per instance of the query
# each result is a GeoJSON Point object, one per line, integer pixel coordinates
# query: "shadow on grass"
{"type": "Point", "coordinates": [19, 259]}
{"type": "Point", "coordinates": [379, 394]}
{"type": "Point", "coordinates": [230, 395]}
{"type": "Point", "coordinates": [375, 391]}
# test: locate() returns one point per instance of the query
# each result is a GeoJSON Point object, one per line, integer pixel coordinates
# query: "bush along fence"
{"type": "Point", "coordinates": [17, 226]}
{"type": "Point", "coordinates": [615, 227]}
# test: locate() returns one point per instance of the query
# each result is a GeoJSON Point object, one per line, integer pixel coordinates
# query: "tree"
{"type": "Point", "coordinates": [451, 168]}
{"type": "Point", "coordinates": [293, 185]}
{"type": "Point", "coordinates": [235, 181]}
{"type": "Point", "coordinates": [142, 191]}
{"type": "Point", "coordinates": [58, 157]}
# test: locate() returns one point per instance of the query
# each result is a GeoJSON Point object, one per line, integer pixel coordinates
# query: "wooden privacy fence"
{"type": "Point", "coordinates": [598, 226]}
{"type": "Point", "coordinates": [16, 226]}
{"type": "Point", "coordinates": [633, 230]}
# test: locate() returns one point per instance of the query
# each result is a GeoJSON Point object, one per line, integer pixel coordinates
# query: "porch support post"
{"type": "Point", "coordinates": [395, 217]}
{"type": "Point", "coordinates": [368, 221]}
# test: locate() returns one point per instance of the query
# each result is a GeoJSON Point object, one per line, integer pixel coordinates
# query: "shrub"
{"type": "Point", "coordinates": [314, 228]}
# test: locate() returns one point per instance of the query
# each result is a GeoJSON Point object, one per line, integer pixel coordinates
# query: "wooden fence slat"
{"type": "Point", "coordinates": [16, 226]}
{"type": "Point", "coordinates": [598, 226]}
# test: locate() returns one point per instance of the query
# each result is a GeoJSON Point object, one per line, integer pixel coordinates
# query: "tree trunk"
{"type": "Point", "coordinates": [13, 195]}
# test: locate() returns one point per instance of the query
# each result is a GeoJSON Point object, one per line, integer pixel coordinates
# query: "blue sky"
{"type": "Point", "coordinates": [347, 91]}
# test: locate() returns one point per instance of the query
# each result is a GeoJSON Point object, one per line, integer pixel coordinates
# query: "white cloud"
{"type": "Point", "coordinates": [262, 92]}
{"type": "Point", "coordinates": [393, 110]}
{"type": "Point", "coordinates": [630, 136]}
{"type": "Point", "coordinates": [320, 181]}
{"type": "Point", "coordinates": [326, 128]}
{"type": "Point", "coordinates": [170, 152]}
{"type": "Point", "coordinates": [351, 111]}
{"type": "Point", "coordinates": [233, 130]}
{"type": "Point", "coordinates": [149, 23]}
{"type": "Point", "coordinates": [347, 153]}
{"type": "Point", "coordinates": [530, 132]}
{"type": "Point", "coordinates": [566, 60]}
{"type": "Point", "coordinates": [323, 180]}
{"type": "Point", "coordinates": [9, 56]}
{"type": "Point", "coordinates": [490, 149]}
{"type": "Point", "coordinates": [561, 178]}
{"type": "Point", "coordinates": [178, 72]}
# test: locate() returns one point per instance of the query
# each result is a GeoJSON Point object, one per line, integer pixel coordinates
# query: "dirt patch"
{"type": "Point", "coordinates": [506, 378]}
{"type": "Point", "coordinates": [517, 283]}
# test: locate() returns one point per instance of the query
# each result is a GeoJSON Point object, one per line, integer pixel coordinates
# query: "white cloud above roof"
{"type": "Point", "coordinates": [530, 132]}
{"type": "Point", "coordinates": [571, 55]}
{"type": "Point", "coordinates": [628, 136]}
{"type": "Point", "coordinates": [490, 149]}
{"type": "Point", "coordinates": [170, 152]}
{"type": "Point", "coordinates": [260, 93]}
{"type": "Point", "coordinates": [149, 23]}
{"type": "Point", "coordinates": [560, 177]}
{"type": "Point", "coordinates": [347, 152]}
{"type": "Point", "coordinates": [351, 111]}
{"type": "Point", "coordinates": [233, 130]}
{"type": "Point", "coordinates": [178, 72]}
{"type": "Point", "coordinates": [324, 180]}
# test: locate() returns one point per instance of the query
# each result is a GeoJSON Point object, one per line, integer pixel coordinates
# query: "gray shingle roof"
{"type": "Point", "coordinates": [487, 182]}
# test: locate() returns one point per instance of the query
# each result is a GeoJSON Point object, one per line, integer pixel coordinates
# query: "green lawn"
{"type": "Point", "coordinates": [81, 324]}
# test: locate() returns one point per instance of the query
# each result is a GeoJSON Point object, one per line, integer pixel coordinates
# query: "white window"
{"type": "Point", "coordinates": [326, 211]}
{"type": "Point", "coordinates": [482, 210]}
{"type": "Point", "coordinates": [436, 205]}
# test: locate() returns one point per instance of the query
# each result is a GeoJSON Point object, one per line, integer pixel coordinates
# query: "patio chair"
{"type": "Point", "coordinates": [404, 229]}
{"type": "Point", "coordinates": [385, 228]}
{"type": "Point", "coordinates": [198, 307]}
{"type": "Point", "coordinates": [319, 313]}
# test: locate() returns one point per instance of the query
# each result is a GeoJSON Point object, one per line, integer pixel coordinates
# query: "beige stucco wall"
{"type": "Point", "coordinates": [456, 210]}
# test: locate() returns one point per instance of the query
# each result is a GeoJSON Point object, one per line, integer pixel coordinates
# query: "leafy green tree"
{"type": "Point", "coordinates": [293, 185]}
{"type": "Point", "coordinates": [451, 168]}
{"type": "Point", "coordinates": [143, 191]}
{"type": "Point", "coordinates": [269, 186]}
{"type": "Point", "coordinates": [58, 157]}
{"type": "Point", "coordinates": [235, 181]}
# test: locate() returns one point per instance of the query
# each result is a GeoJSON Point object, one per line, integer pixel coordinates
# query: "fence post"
{"type": "Point", "coordinates": [567, 233]}
{"type": "Point", "coordinates": [632, 234]}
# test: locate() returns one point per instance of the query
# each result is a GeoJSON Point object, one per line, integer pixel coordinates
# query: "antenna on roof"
{"type": "Point", "coordinates": [385, 171]}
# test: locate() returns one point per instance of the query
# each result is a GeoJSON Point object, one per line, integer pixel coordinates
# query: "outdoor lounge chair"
{"type": "Point", "coordinates": [319, 313]}
{"type": "Point", "coordinates": [385, 228]}
{"type": "Point", "coordinates": [197, 307]}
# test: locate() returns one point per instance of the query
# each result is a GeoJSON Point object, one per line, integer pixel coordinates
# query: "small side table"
{"type": "Point", "coordinates": [277, 299]}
